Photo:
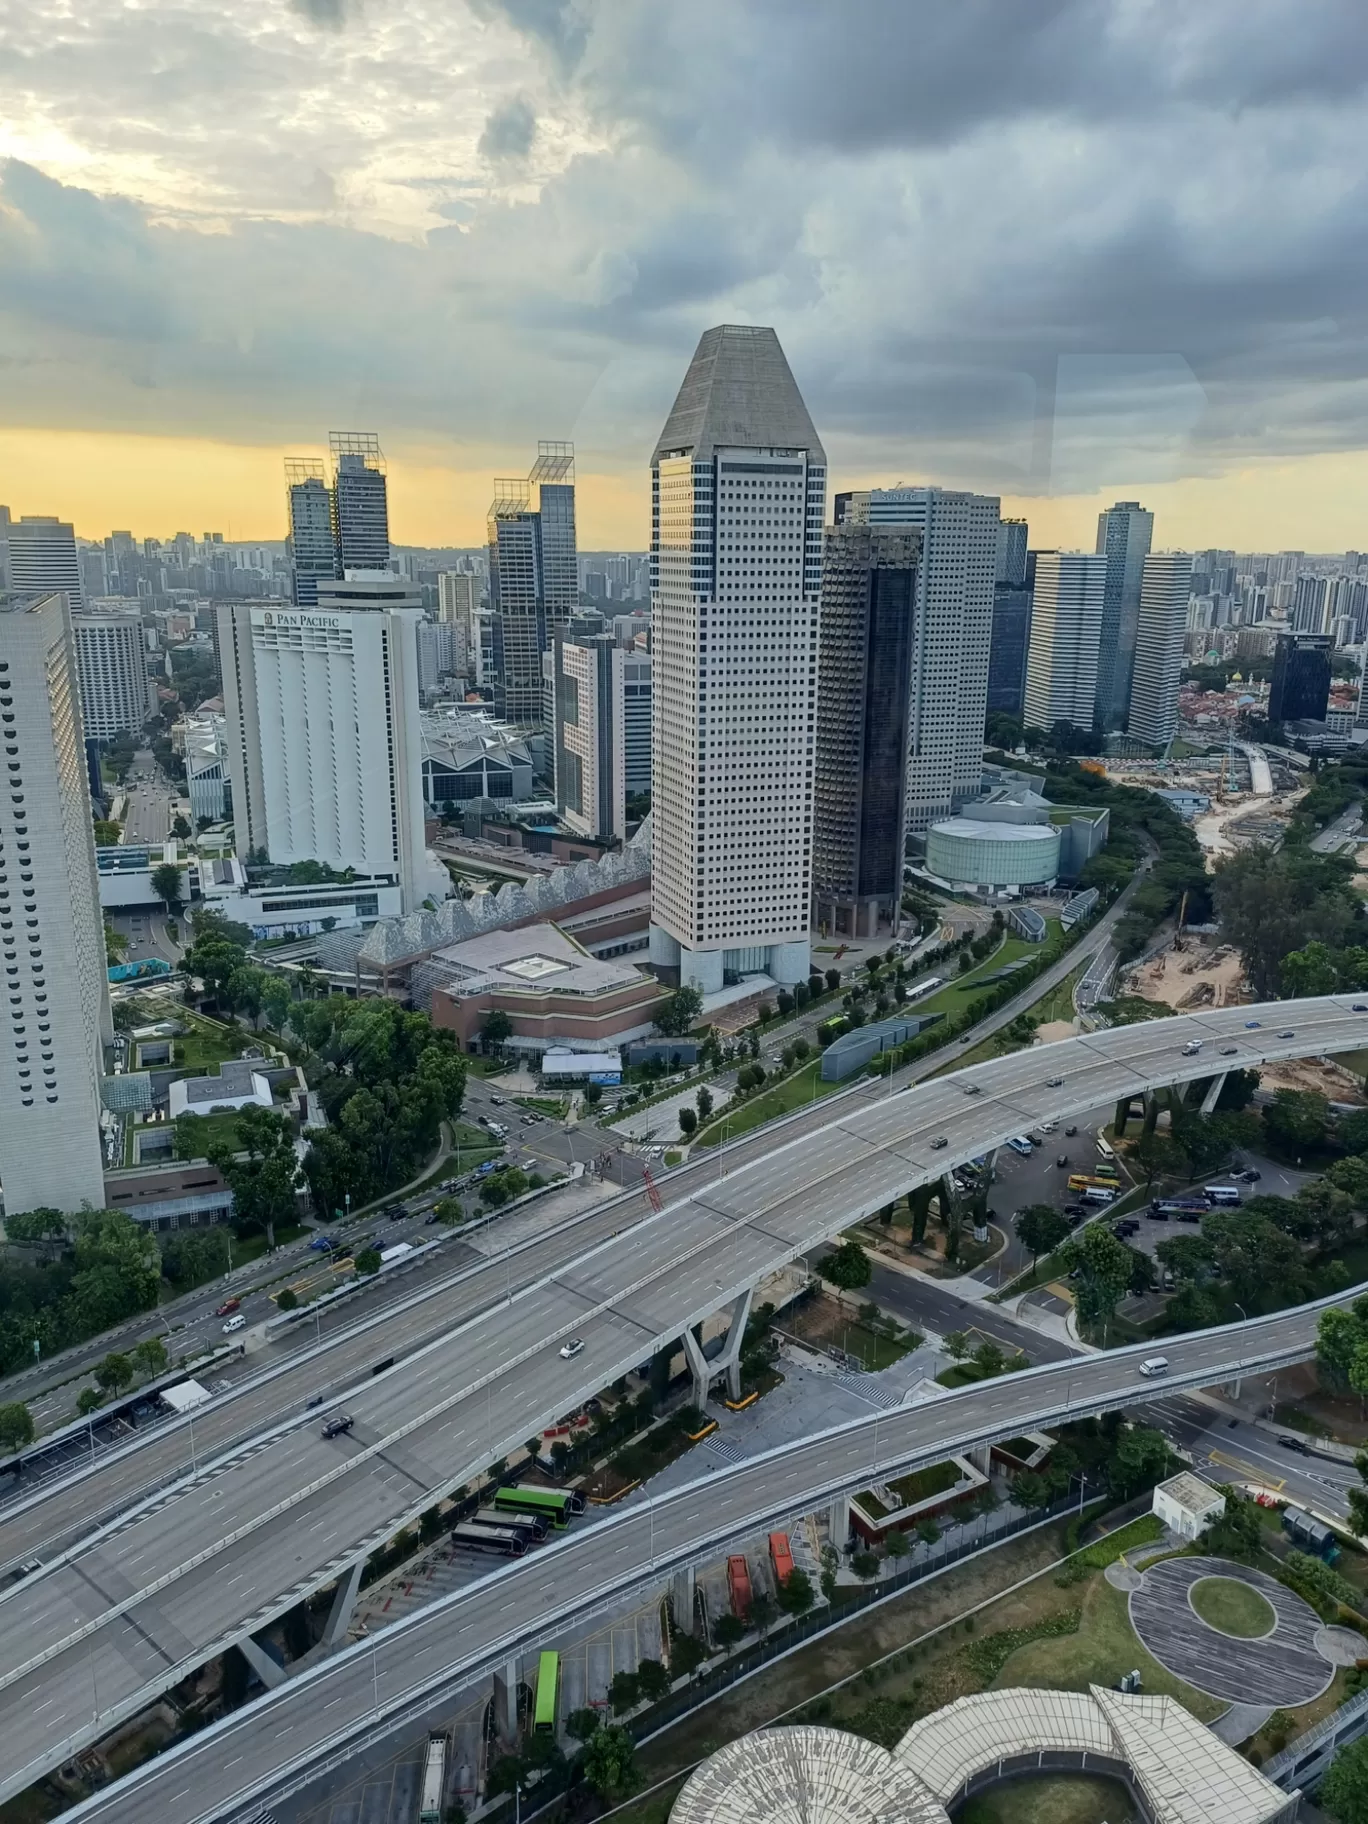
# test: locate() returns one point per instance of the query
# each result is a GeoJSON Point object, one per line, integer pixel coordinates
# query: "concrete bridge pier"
{"type": "Point", "coordinates": [682, 1587]}
{"type": "Point", "coordinates": [838, 1521]}
{"type": "Point", "coordinates": [1213, 1094]}
{"type": "Point", "coordinates": [705, 1371]}
{"type": "Point", "coordinates": [343, 1602]}
{"type": "Point", "coordinates": [506, 1701]}
{"type": "Point", "coordinates": [271, 1673]}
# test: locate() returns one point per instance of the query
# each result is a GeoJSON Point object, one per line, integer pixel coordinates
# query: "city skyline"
{"type": "Point", "coordinates": [1153, 289]}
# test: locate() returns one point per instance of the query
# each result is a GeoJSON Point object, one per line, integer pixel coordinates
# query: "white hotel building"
{"type": "Point", "coordinates": [1066, 632]}
{"type": "Point", "coordinates": [323, 737]}
{"type": "Point", "coordinates": [738, 503]}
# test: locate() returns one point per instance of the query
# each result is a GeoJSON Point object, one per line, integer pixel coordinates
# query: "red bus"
{"type": "Point", "coordinates": [739, 1587]}
{"type": "Point", "coordinates": [781, 1557]}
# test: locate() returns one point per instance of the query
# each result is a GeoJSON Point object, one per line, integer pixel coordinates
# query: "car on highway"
{"type": "Point", "coordinates": [235, 1323]}
{"type": "Point", "coordinates": [1154, 1365]}
{"type": "Point", "coordinates": [1289, 1034]}
{"type": "Point", "coordinates": [1054, 1082]}
{"type": "Point", "coordinates": [228, 1306]}
{"type": "Point", "coordinates": [1192, 1047]}
{"type": "Point", "coordinates": [322, 1244]}
{"type": "Point", "coordinates": [1359, 1007]}
{"type": "Point", "coordinates": [1229, 1051]}
{"type": "Point", "coordinates": [1297, 1444]}
{"type": "Point", "coordinates": [498, 1101]}
{"type": "Point", "coordinates": [1251, 1176]}
{"type": "Point", "coordinates": [398, 1213]}
{"type": "Point", "coordinates": [939, 1141]}
{"type": "Point", "coordinates": [972, 1089]}
{"type": "Point", "coordinates": [430, 1218]}
{"type": "Point", "coordinates": [572, 1348]}
{"type": "Point", "coordinates": [1062, 1160]}
{"type": "Point", "coordinates": [339, 1425]}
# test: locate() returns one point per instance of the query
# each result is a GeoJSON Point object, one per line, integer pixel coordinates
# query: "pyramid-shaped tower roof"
{"type": "Point", "coordinates": [739, 390]}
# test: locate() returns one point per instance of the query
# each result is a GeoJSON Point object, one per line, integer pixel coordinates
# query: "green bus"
{"type": "Point", "coordinates": [553, 1504]}
{"type": "Point", "coordinates": [548, 1681]}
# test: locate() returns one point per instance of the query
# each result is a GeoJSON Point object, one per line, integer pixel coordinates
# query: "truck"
{"type": "Point", "coordinates": [434, 1780]}
{"type": "Point", "coordinates": [781, 1558]}
{"type": "Point", "coordinates": [739, 1586]}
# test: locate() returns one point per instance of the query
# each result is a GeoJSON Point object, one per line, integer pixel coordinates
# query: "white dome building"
{"type": "Point", "coordinates": [991, 856]}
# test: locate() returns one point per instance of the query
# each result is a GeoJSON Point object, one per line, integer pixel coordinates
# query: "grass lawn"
{"type": "Point", "coordinates": [219, 1129]}
{"type": "Point", "coordinates": [1052, 1798]}
{"type": "Point", "coordinates": [1105, 1647]}
{"type": "Point", "coordinates": [923, 1483]}
{"type": "Point", "coordinates": [1231, 1607]}
{"type": "Point", "coordinates": [543, 1105]}
{"type": "Point", "coordinates": [800, 1090]}
{"type": "Point", "coordinates": [961, 1374]}
{"type": "Point", "coordinates": [202, 1046]}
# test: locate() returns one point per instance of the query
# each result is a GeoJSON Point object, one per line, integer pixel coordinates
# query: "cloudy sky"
{"type": "Point", "coordinates": [1063, 250]}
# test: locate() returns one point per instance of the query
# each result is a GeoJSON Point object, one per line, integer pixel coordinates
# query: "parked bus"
{"type": "Point", "coordinates": [554, 1504]}
{"type": "Point", "coordinates": [1180, 1206]}
{"type": "Point", "coordinates": [781, 1557]}
{"type": "Point", "coordinates": [506, 1540]}
{"type": "Point", "coordinates": [739, 1587]}
{"type": "Point", "coordinates": [929, 986]}
{"type": "Point", "coordinates": [1083, 1181]}
{"type": "Point", "coordinates": [434, 1780]}
{"type": "Point", "coordinates": [1221, 1193]}
{"type": "Point", "coordinates": [531, 1526]}
{"type": "Point", "coordinates": [548, 1683]}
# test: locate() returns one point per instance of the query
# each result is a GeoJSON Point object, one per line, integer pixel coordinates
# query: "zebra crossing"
{"type": "Point", "coordinates": [867, 1388]}
{"type": "Point", "coordinates": [723, 1452]}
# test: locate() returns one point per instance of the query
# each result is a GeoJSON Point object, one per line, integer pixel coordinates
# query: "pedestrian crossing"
{"type": "Point", "coordinates": [723, 1452]}
{"type": "Point", "coordinates": [872, 1391]}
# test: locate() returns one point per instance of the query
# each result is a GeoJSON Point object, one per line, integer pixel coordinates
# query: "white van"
{"type": "Point", "coordinates": [235, 1323]}
{"type": "Point", "coordinates": [1153, 1365]}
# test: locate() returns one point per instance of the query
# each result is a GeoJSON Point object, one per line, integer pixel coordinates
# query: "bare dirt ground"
{"type": "Point", "coordinates": [1199, 975]}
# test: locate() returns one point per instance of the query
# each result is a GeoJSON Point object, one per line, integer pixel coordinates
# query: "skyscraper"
{"type": "Point", "coordinates": [1011, 552]}
{"type": "Point", "coordinates": [602, 697]}
{"type": "Point", "coordinates": [533, 575]}
{"type": "Point", "coordinates": [42, 556]}
{"type": "Point", "coordinates": [312, 545]}
{"type": "Point", "coordinates": [1066, 627]}
{"type": "Point", "coordinates": [864, 680]}
{"type": "Point", "coordinates": [738, 483]}
{"type": "Point", "coordinates": [1159, 646]}
{"type": "Point", "coordinates": [57, 1018]}
{"type": "Point", "coordinates": [360, 503]}
{"type": "Point", "coordinates": [1011, 640]}
{"type": "Point", "coordinates": [322, 731]}
{"type": "Point", "coordinates": [1300, 689]}
{"type": "Point", "coordinates": [952, 638]}
{"type": "Point", "coordinates": [458, 597]}
{"type": "Point", "coordinates": [1124, 533]}
{"type": "Point", "coordinates": [111, 670]}
{"type": "Point", "coordinates": [1308, 605]}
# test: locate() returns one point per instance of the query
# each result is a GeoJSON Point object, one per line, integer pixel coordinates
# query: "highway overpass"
{"type": "Point", "coordinates": [122, 1614]}
{"type": "Point", "coordinates": [259, 1754]}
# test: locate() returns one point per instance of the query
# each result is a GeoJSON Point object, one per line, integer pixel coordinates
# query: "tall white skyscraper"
{"type": "Point", "coordinates": [1159, 646]}
{"type": "Point", "coordinates": [323, 738]}
{"type": "Point", "coordinates": [738, 499]}
{"type": "Point", "coordinates": [111, 668]}
{"type": "Point", "coordinates": [1066, 627]}
{"type": "Point", "coordinates": [458, 597]}
{"type": "Point", "coordinates": [1124, 533]}
{"type": "Point", "coordinates": [43, 556]}
{"type": "Point", "coordinates": [952, 637]}
{"type": "Point", "coordinates": [56, 1007]}
{"type": "Point", "coordinates": [601, 718]}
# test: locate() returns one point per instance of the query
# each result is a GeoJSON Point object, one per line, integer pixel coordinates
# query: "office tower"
{"type": "Point", "coordinates": [458, 597]}
{"type": "Point", "coordinates": [42, 556]}
{"type": "Point", "coordinates": [1159, 646]}
{"type": "Point", "coordinates": [1011, 640]}
{"type": "Point", "coordinates": [322, 732]}
{"type": "Point", "coordinates": [311, 543]}
{"type": "Point", "coordinates": [864, 691]}
{"type": "Point", "coordinates": [1308, 605]}
{"type": "Point", "coordinates": [111, 670]}
{"type": "Point", "coordinates": [5, 523]}
{"type": "Point", "coordinates": [602, 723]}
{"type": "Point", "coordinates": [1124, 535]}
{"type": "Point", "coordinates": [1300, 690]}
{"type": "Point", "coordinates": [57, 1020]}
{"type": "Point", "coordinates": [360, 504]}
{"type": "Point", "coordinates": [533, 575]}
{"type": "Point", "coordinates": [952, 638]}
{"type": "Point", "coordinates": [1066, 628]}
{"type": "Point", "coordinates": [436, 655]}
{"type": "Point", "coordinates": [1011, 552]}
{"type": "Point", "coordinates": [738, 484]}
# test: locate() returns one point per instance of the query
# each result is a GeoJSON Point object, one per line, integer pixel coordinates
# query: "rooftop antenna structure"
{"type": "Point", "coordinates": [555, 462]}
{"type": "Point", "coordinates": [365, 444]}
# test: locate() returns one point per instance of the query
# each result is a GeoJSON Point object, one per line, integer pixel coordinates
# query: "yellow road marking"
{"type": "Point", "coordinates": [1261, 1476]}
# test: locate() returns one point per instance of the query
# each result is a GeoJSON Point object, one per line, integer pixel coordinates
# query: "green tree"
{"type": "Point", "coordinates": [728, 1631]}
{"type": "Point", "coordinates": [1159, 1156]}
{"type": "Point", "coordinates": [1139, 1460]}
{"type": "Point", "coordinates": [496, 1029]}
{"type": "Point", "coordinates": [678, 1015]}
{"type": "Point", "coordinates": [928, 1532]}
{"type": "Point", "coordinates": [16, 1426]}
{"type": "Point", "coordinates": [688, 1121]}
{"type": "Point", "coordinates": [653, 1679]}
{"type": "Point", "coordinates": [1310, 970]}
{"type": "Point", "coordinates": [89, 1400]}
{"type": "Point", "coordinates": [865, 1565]}
{"type": "Point", "coordinates": [368, 1261]}
{"type": "Point", "coordinates": [149, 1356]}
{"type": "Point", "coordinates": [703, 1101]}
{"type": "Point", "coordinates": [593, 1094]}
{"type": "Point", "coordinates": [260, 1166]}
{"type": "Point", "coordinates": [1041, 1228]}
{"type": "Point", "coordinates": [166, 884]}
{"type": "Point", "coordinates": [624, 1692]}
{"type": "Point", "coordinates": [287, 1299]}
{"type": "Point", "coordinates": [609, 1763]}
{"type": "Point", "coordinates": [1297, 1122]}
{"type": "Point", "coordinates": [795, 1592]}
{"type": "Point", "coordinates": [581, 1724]}
{"type": "Point", "coordinates": [114, 1373]}
{"type": "Point", "coordinates": [43, 1228]}
{"type": "Point", "coordinates": [896, 1545]}
{"type": "Point", "coordinates": [1339, 1336]}
{"type": "Point", "coordinates": [847, 1266]}
{"type": "Point", "coordinates": [1104, 1267]}
{"type": "Point", "coordinates": [180, 828]}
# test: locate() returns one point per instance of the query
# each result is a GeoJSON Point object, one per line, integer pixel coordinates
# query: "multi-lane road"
{"type": "Point", "coordinates": [117, 1617]}
{"type": "Point", "coordinates": [252, 1756]}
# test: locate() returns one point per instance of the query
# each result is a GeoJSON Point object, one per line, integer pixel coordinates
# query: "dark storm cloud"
{"type": "Point", "coordinates": [509, 131]}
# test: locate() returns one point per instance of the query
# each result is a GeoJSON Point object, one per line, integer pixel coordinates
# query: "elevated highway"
{"type": "Point", "coordinates": [260, 1754]}
{"type": "Point", "coordinates": [123, 1613]}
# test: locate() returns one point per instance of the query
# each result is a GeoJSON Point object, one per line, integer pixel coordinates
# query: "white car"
{"type": "Point", "coordinates": [572, 1348]}
{"type": "Point", "coordinates": [235, 1323]}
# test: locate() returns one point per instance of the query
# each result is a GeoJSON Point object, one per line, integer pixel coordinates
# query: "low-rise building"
{"type": "Point", "coordinates": [1187, 1505]}
{"type": "Point", "coordinates": [554, 992]}
{"type": "Point", "coordinates": [239, 1083]}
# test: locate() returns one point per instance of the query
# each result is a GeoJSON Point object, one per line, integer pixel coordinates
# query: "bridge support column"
{"type": "Point", "coordinates": [838, 1521]}
{"type": "Point", "coordinates": [682, 1586]}
{"type": "Point", "coordinates": [1151, 1120]}
{"type": "Point", "coordinates": [506, 1702]}
{"type": "Point", "coordinates": [343, 1602]}
{"type": "Point", "coordinates": [981, 1456]}
{"type": "Point", "coordinates": [271, 1673]}
{"type": "Point", "coordinates": [703, 1371]}
{"type": "Point", "coordinates": [1213, 1094]}
{"type": "Point", "coordinates": [1122, 1116]}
